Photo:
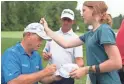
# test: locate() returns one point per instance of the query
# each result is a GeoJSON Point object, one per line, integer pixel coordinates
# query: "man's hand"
{"type": "Point", "coordinates": [46, 55]}
{"type": "Point", "coordinates": [50, 79]}
{"type": "Point", "coordinates": [50, 69]}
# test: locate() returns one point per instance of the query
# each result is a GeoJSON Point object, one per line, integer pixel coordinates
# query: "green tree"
{"type": "Point", "coordinates": [17, 14]}
{"type": "Point", "coordinates": [117, 21]}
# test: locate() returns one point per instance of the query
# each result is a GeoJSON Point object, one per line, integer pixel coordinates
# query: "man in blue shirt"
{"type": "Point", "coordinates": [21, 64]}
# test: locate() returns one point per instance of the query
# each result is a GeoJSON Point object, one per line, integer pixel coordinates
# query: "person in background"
{"type": "Point", "coordinates": [58, 55]}
{"type": "Point", "coordinates": [120, 44]}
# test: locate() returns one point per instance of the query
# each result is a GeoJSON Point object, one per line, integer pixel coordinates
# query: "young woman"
{"type": "Point", "coordinates": [103, 57]}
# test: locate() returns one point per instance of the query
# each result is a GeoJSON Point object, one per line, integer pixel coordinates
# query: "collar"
{"type": "Point", "coordinates": [21, 49]}
{"type": "Point", "coordinates": [70, 32]}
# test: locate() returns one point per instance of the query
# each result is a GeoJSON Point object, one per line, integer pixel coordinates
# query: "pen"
{"type": "Point", "coordinates": [50, 60]}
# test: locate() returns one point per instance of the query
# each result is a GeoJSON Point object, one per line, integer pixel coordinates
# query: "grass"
{"type": "Point", "coordinates": [10, 38]}
{"type": "Point", "coordinates": [11, 34]}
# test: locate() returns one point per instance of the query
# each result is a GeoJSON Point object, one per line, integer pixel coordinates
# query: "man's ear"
{"type": "Point", "coordinates": [28, 34]}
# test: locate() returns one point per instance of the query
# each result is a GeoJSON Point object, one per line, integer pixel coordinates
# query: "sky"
{"type": "Point", "coordinates": [115, 7]}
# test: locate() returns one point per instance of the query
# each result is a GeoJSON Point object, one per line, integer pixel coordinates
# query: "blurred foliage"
{"type": "Point", "coordinates": [15, 15]}
{"type": "Point", "coordinates": [117, 21]}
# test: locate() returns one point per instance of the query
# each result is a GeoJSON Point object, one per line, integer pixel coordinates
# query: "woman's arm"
{"type": "Point", "coordinates": [114, 62]}
{"type": "Point", "coordinates": [59, 39]}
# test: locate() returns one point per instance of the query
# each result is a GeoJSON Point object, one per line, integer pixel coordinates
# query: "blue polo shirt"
{"type": "Point", "coordinates": [15, 61]}
{"type": "Point", "coordinates": [95, 41]}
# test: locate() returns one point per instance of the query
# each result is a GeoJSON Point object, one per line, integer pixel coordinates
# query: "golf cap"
{"type": "Point", "coordinates": [38, 29]}
{"type": "Point", "coordinates": [67, 13]}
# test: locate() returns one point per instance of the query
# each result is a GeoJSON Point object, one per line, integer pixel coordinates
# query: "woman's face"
{"type": "Point", "coordinates": [87, 15]}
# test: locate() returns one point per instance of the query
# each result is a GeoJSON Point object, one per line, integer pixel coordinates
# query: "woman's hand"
{"type": "Point", "coordinates": [43, 21]}
{"type": "Point", "coordinates": [78, 73]}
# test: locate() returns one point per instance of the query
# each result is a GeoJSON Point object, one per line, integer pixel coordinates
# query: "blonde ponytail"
{"type": "Point", "coordinates": [107, 18]}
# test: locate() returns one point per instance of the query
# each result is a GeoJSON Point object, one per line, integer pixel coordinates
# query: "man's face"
{"type": "Point", "coordinates": [67, 22]}
{"type": "Point", "coordinates": [34, 41]}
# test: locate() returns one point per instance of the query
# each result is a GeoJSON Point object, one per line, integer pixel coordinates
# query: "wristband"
{"type": "Point", "coordinates": [97, 69]}
{"type": "Point", "coordinates": [90, 70]}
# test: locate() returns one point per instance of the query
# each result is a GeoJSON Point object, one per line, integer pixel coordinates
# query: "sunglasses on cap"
{"type": "Point", "coordinates": [66, 19]}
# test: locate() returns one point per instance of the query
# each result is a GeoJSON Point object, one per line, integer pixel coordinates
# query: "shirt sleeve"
{"type": "Point", "coordinates": [107, 36]}
{"type": "Point", "coordinates": [82, 38]}
{"type": "Point", "coordinates": [78, 51]}
{"type": "Point", "coordinates": [47, 47]}
{"type": "Point", "coordinates": [10, 66]}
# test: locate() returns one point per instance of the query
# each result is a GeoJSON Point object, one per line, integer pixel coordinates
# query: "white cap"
{"type": "Point", "coordinates": [38, 29]}
{"type": "Point", "coordinates": [67, 13]}
{"type": "Point", "coordinates": [65, 70]}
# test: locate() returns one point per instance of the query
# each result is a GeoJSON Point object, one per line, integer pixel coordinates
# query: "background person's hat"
{"type": "Point", "coordinates": [38, 29]}
{"type": "Point", "coordinates": [67, 13]}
